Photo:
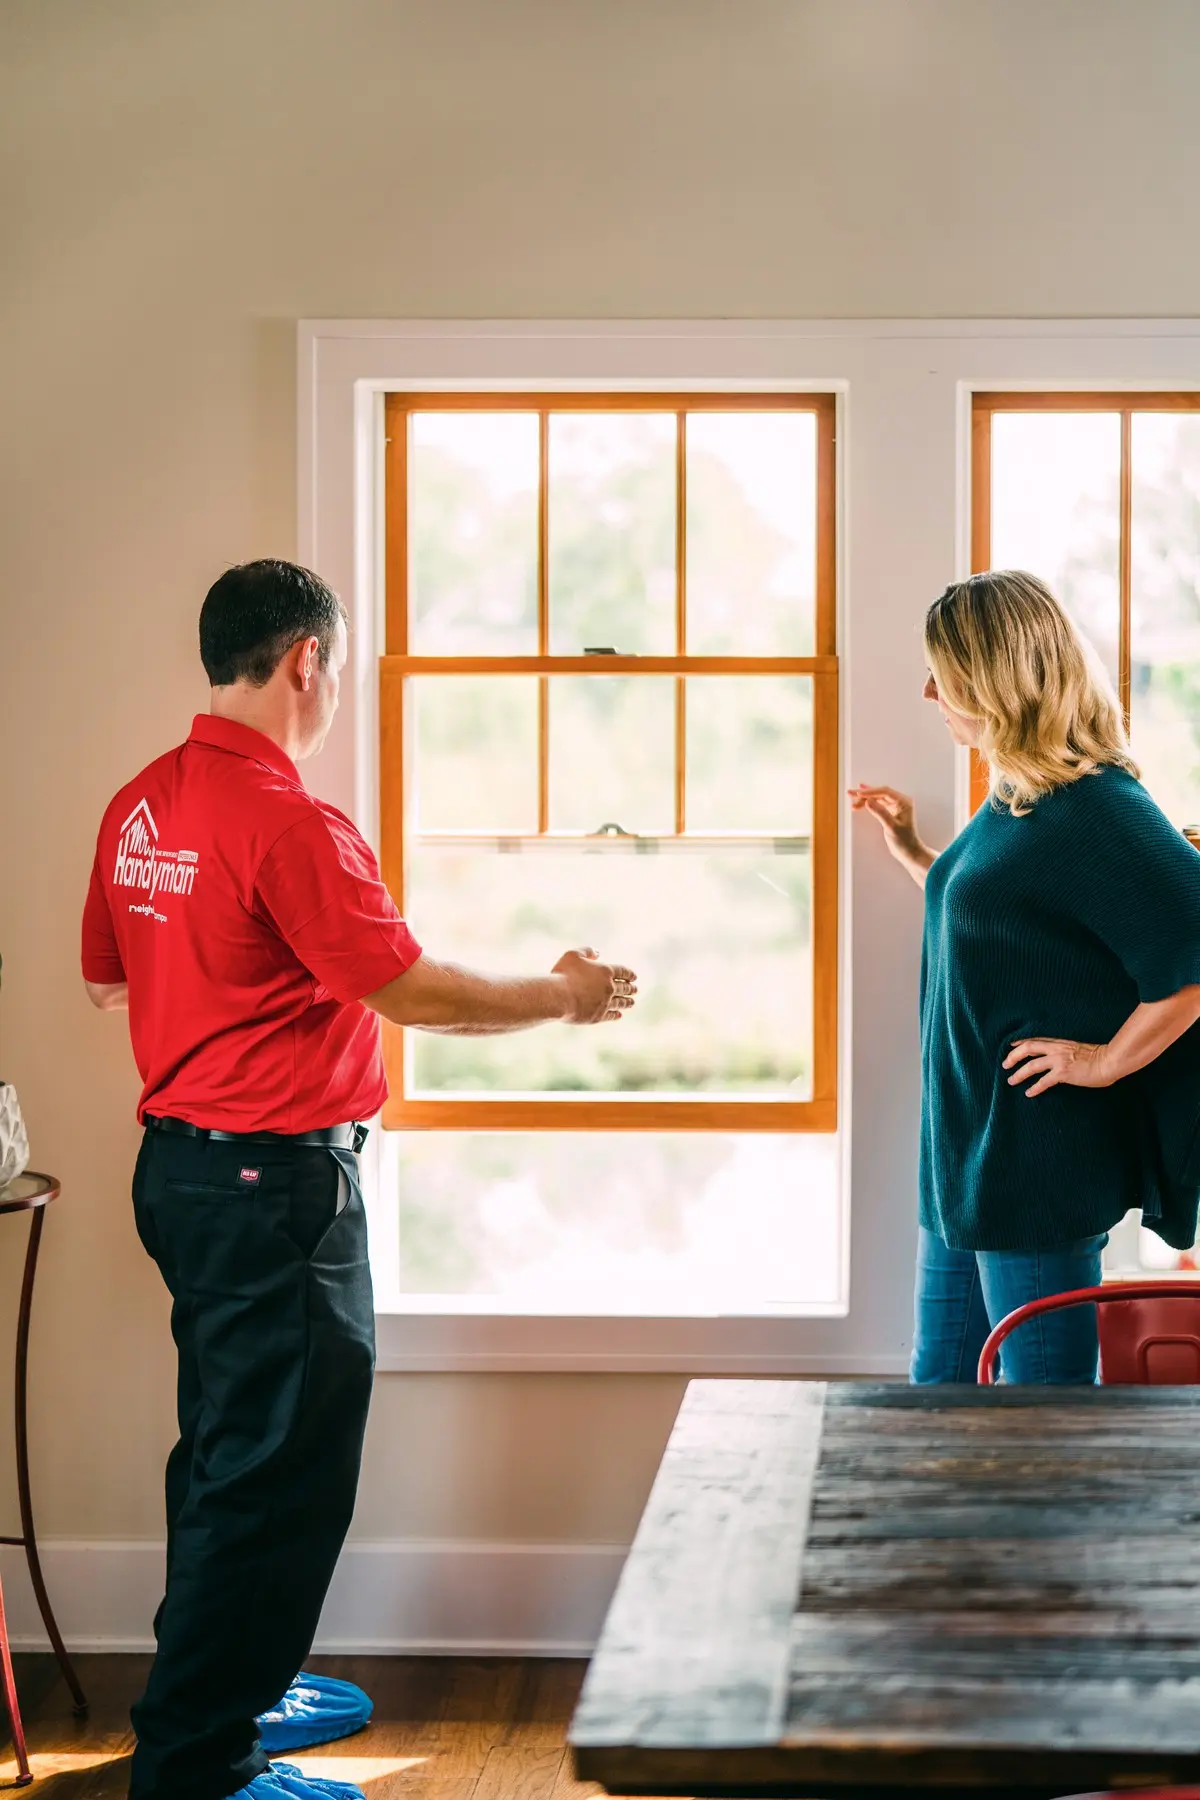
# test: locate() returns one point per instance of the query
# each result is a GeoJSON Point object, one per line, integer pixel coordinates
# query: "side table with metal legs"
{"type": "Point", "coordinates": [30, 1193]}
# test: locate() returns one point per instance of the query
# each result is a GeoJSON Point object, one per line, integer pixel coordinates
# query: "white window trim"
{"type": "Point", "coordinates": [904, 529]}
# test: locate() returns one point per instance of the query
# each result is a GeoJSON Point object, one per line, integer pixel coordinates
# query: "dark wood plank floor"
{"type": "Point", "coordinates": [444, 1729]}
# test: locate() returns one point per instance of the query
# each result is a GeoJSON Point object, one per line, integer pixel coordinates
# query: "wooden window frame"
{"type": "Point", "coordinates": [397, 666]}
{"type": "Point", "coordinates": [984, 407]}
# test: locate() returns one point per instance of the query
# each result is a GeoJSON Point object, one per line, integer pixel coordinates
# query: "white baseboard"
{"type": "Point", "coordinates": [408, 1597]}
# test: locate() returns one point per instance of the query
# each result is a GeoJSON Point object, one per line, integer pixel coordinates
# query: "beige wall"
{"type": "Point", "coordinates": [185, 181]}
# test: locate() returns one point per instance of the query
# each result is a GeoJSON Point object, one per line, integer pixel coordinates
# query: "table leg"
{"type": "Point", "coordinates": [23, 1492]}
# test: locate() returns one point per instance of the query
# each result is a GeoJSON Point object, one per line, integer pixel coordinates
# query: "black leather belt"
{"type": "Point", "coordinates": [336, 1137]}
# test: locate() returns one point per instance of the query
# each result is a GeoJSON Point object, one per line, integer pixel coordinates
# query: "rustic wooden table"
{"type": "Point", "coordinates": [852, 1589]}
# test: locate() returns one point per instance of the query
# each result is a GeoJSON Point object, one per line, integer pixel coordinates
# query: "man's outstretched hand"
{"type": "Point", "coordinates": [595, 991]}
{"type": "Point", "coordinates": [433, 996]}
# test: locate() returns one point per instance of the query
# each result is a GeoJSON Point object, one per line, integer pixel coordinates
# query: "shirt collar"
{"type": "Point", "coordinates": [243, 740]}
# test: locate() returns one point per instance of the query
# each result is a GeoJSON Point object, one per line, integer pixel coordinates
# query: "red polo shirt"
{"type": "Point", "coordinates": [249, 920]}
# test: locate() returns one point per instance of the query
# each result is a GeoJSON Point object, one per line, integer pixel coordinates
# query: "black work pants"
{"type": "Point", "coordinates": [264, 1250]}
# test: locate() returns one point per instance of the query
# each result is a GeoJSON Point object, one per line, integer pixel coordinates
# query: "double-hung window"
{"type": "Point", "coordinates": [608, 712]}
{"type": "Point", "coordinates": [1099, 494]}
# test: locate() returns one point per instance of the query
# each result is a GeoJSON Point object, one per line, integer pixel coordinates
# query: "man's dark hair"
{"type": "Point", "coordinates": [253, 614]}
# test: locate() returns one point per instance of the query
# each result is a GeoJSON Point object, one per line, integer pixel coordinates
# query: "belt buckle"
{"type": "Point", "coordinates": [360, 1137]}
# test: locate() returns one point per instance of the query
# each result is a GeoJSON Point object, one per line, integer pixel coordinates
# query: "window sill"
{"type": "Point", "coordinates": [814, 1343]}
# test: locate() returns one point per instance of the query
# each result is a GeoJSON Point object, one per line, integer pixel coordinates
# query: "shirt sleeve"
{"type": "Point", "coordinates": [101, 957]}
{"type": "Point", "coordinates": [319, 886]}
{"type": "Point", "coordinates": [1135, 883]}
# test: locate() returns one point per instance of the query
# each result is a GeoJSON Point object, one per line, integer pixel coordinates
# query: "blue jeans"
{"type": "Point", "coordinates": [962, 1294]}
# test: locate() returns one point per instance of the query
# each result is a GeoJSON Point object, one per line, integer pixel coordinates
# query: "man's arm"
{"type": "Point", "coordinates": [435, 996]}
{"type": "Point", "coordinates": [109, 996]}
{"type": "Point", "coordinates": [103, 970]}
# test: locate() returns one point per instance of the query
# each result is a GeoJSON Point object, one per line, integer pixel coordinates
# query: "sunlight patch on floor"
{"type": "Point", "coordinates": [62, 1762]}
{"type": "Point", "coordinates": [349, 1767]}
{"type": "Point", "coordinates": [358, 1768]}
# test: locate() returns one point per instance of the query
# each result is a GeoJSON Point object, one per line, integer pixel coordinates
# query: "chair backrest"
{"type": "Point", "coordinates": [1149, 1331]}
{"type": "Point", "coordinates": [1150, 1343]}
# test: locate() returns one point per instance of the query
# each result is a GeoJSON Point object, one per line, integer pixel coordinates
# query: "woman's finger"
{"type": "Point", "coordinates": [1043, 1086]}
{"type": "Point", "coordinates": [1029, 1047]}
{"type": "Point", "coordinates": [1036, 1065]}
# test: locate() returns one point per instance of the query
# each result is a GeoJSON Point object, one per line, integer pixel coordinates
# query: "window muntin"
{"type": "Point", "coordinates": [610, 784]}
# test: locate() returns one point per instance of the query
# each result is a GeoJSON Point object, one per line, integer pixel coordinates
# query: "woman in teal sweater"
{"type": "Point", "coordinates": [1060, 984]}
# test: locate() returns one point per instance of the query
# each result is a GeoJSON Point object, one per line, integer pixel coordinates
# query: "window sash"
{"type": "Point", "coordinates": [984, 407]}
{"type": "Point", "coordinates": [397, 667]}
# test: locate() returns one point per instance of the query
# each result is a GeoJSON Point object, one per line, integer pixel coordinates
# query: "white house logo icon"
{"type": "Point", "coordinates": [142, 863]}
{"type": "Point", "coordinates": [141, 827]}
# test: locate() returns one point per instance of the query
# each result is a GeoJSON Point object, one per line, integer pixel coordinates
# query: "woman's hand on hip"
{"type": "Point", "coordinates": [1152, 1027]}
{"type": "Point", "coordinates": [1058, 1062]}
{"type": "Point", "coordinates": [897, 816]}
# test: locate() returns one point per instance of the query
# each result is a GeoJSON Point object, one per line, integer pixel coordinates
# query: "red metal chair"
{"type": "Point", "coordinates": [1149, 1333]}
{"type": "Point", "coordinates": [1149, 1337]}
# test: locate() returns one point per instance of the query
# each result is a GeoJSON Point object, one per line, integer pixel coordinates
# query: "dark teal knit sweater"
{"type": "Point", "coordinates": [1057, 925]}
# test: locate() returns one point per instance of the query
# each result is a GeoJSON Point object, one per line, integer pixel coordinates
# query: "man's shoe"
{"type": "Point", "coordinates": [283, 1781]}
{"type": "Point", "coordinates": [315, 1710]}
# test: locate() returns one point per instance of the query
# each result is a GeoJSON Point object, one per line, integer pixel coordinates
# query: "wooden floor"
{"type": "Point", "coordinates": [444, 1729]}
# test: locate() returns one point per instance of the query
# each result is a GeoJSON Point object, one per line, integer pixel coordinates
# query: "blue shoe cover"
{"type": "Point", "coordinates": [315, 1710]}
{"type": "Point", "coordinates": [283, 1781]}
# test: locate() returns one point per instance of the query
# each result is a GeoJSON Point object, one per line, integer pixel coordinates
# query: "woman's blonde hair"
{"type": "Point", "coordinates": [1002, 651]}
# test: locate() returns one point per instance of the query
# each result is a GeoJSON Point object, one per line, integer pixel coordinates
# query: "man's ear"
{"type": "Point", "coordinates": [304, 658]}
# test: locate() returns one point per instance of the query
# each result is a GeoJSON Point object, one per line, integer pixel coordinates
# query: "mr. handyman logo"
{"type": "Point", "coordinates": [143, 863]}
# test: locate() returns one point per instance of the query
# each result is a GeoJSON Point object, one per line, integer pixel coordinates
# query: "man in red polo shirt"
{"type": "Point", "coordinates": [245, 926]}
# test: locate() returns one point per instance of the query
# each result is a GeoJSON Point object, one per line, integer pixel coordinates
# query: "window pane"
{"type": "Point", "coordinates": [612, 753]}
{"type": "Point", "coordinates": [720, 938]}
{"type": "Point", "coordinates": [473, 532]}
{"type": "Point", "coordinates": [1133, 1250]}
{"type": "Point", "coordinates": [1165, 606]}
{"type": "Point", "coordinates": [475, 753]}
{"type": "Point", "coordinates": [751, 533]}
{"type": "Point", "coordinates": [1056, 493]}
{"type": "Point", "coordinates": [612, 533]}
{"type": "Point", "coordinates": [749, 754]}
{"type": "Point", "coordinates": [633, 1223]}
